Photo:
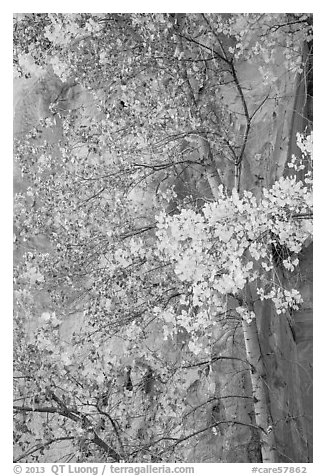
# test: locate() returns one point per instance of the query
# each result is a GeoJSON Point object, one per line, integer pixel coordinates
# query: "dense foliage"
{"type": "Point", "coordinates": [125, 277]}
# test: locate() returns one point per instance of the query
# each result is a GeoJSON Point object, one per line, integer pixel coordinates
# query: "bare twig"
{"type": "Point", "coordinates": [41, 447]}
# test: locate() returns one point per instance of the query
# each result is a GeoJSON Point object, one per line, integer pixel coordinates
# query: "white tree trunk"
{"type": "Point", "coordinates": [259, 391]}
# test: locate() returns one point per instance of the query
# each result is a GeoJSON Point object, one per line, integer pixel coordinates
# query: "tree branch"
{"type": "Point", "coordinates": [214, 359]}
{"type": "Point", "coordinates": [75, 416]}
{"type": "Point", "coordinates": [41, 447]}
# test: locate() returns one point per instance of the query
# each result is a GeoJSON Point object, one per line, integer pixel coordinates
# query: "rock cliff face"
{"type": "Point", "coordinates": [286, 341]}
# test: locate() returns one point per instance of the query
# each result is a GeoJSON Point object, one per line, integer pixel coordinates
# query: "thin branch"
{"type": "Point", "coordinates": [214, 425]}
{"type": "Point", "coordinates": [248, 125]}
{"type": "Point", "coordinates": [258, 107]}
{"type": "Point", "coordinates": [213, 399]}
{"type": "Point", "coordinates": [217, 37]}
{"type": "Point", "coordinates": [214, 359]}
{"type": "Point", "coordinates": [165, 165]}
{"type": "Point", "coordinates": [115, 428]}
{"type": "Point", "coordinates": [216, 53]}
{"type": "Point", "coordinates": [41, 447]}
{"type": "Point", "coordinates": [303, 216]}
{"type": "Point", "coordinates": [75, 416]}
